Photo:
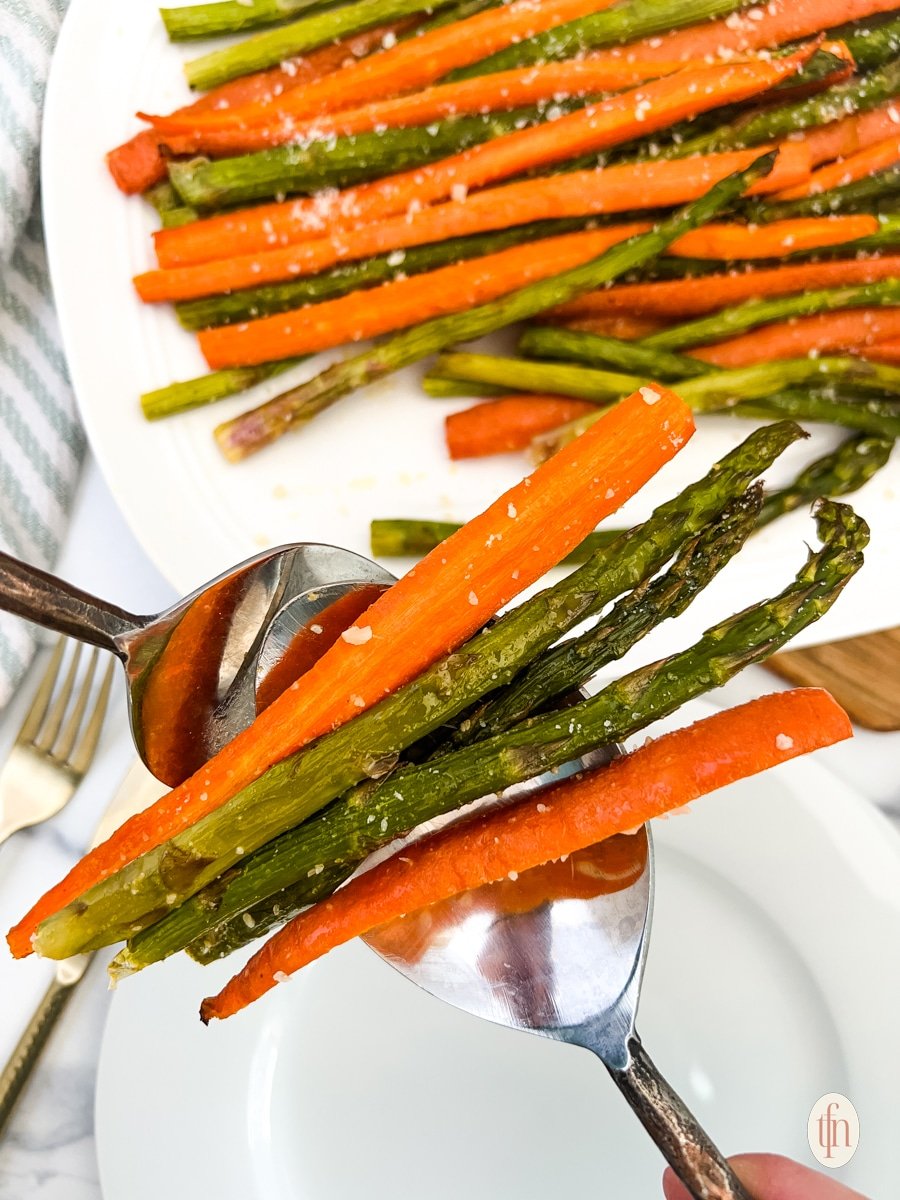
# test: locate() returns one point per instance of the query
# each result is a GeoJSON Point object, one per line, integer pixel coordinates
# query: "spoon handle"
{"type": "Point", "coordinates": [45, 600]}
{"type": "Point", "coordinates": [683, 1142]}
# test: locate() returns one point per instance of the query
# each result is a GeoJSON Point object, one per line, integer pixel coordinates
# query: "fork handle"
{"type": "Point", "coordinates": [40, 597]}
{"type": "Point", "coordinates": [684, 1144]}
{"type": "Point", "coordinates": [24, 1058]}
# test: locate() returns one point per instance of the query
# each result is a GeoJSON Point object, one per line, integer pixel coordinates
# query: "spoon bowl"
{"type": "Point", "coordinates": [559, 951]}
{"type": "Point", "coordinates": [198, 673]}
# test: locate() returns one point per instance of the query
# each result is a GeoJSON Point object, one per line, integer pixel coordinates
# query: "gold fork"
{"type": "Point", "coordinates": [56, 743]}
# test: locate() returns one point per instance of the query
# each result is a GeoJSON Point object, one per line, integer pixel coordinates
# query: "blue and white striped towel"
{"type": "Point", "coordinates": [41, 443]}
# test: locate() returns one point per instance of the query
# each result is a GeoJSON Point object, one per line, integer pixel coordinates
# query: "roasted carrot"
{"type": "Point", "coordinates": [139, 163]}
{"type": "Point", "coordinates": [840, 139]}
{"type": "Point", "coordinates": [756, 28]}
{"type": "Point", "coordinates": [282, 240]}
{"type": "Point", "coordinates": [725, 241]}
{"type": "Point", "coordinates": [694, 297]}
{"type": "Point", "coordinates": [620, 118]}
{"type": "Point", "coordinates": [404, 68]}
{"type": "Point", "coordinates": [613, 189]}
{"type": "Point", "coordinates": [853, 329]}
{"type": "Point", "coordinates": [661, 776]}
{"type": "Point", "coordinates": [508, 423]}
{"type": "Point", "coordinates": [887, 351]}
{"type": "Point", "coordinates": [626, 187]}
{"type": "Point", "coordinates": [430, 611]}
{"type": "Point", "coordinates": [483, 93]}
{"type": "Point", "coordinates": [876, 157]}
{"type": "Point", "coordinates": [405, 302]}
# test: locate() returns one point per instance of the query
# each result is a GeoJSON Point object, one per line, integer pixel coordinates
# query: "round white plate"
{"type": "Point", "coordinates": [376, 454]}
{"type": "Point", "coordinates": [772, 980]}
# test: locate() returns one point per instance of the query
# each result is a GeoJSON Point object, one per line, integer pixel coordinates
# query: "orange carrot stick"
{"type": "Point", "coordinates": [756, 28]}
{"type": "Point", "coordinates": [405, 302]}
{"type": "Point", "coordinates": [621, 117]}
{"type": "Point", "coordinates": [404, 68]}
{"type": "Point", "coordinates": [722, 241]}
{"type": "Point", "coordinates": [662, 775]}
{"type": "Point", "coordinates": [865, 162]}
{"type": "Point", "coordinates": [508, 423]}
{"type": "Point", "coordinates": [887, 351]}
{"type": "Point", "coordinates": [662, 183]}
{"type": "Point", "coordinates": [281, 241]}
{"type": "Point", "coordinates": [482, 94]}
{"type": "Point", "coordinates": [682, 298]}
{"type": "Point", "coordinates": [139, 163]}
{"type": "Point", "coordinates": [842, 138]}
{"type": "Point", "coordinates": [429, 612]}
{"type": "Point", "coordinates": [852, 329]}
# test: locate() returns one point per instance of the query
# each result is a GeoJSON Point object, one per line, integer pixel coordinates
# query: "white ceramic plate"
{"type": "Point", "coordinates": [379, 453]}
{"type": "Point", "coordinates": [772, 980]}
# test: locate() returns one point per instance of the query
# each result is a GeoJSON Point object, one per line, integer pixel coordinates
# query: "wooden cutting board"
{"type": "Point", "coordinates": [863, 674]}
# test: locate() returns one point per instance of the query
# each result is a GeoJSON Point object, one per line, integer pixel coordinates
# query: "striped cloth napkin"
{"type": "Point", "coordinates": [41, 443]}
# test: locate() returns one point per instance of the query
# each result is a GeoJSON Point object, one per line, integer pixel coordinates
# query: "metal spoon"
{"type": "Point", "coordinates": [529, 954]}
{"type": "Point", "coordinates": [195, 670]}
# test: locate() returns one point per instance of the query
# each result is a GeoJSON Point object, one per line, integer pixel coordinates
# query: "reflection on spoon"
{"type": "Point", "coordinates": [600, 870]}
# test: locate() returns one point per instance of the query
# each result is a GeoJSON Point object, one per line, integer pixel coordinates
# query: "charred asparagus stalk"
{"type": "Point", "coordinates": [346, 832]}
{"type": "Point", "coordinates": [871, 194]}
{"type": "Point", "coordinates": [713, 391]}
{"type": "Point", "coordinates": [596, 350]}
{"type": "Point", "coordinates": [742, 317]}
{"type": "Point", "coordinates": [314, 164]}
{"type": "Point", "coordinates": [838, 473]}
{"type": "Point", "coordinates": [625, 23]}
{"type": "Point", "coordinates": [398, 538]}
{"type": "Point", "coordinates": [275, 45]}
{"type": "Point", "coordinates": [229, 16]}
{"type": "Point", "coordinates": [876, 417]}
{"type": "Point", "coordinates": [771, 124]}
{"type": "Point", "coordinates": [295, 789]}
{"type": "Point", "coordinates": [207, 389]}
{"type": "Point", "coordinates": [572, 663]}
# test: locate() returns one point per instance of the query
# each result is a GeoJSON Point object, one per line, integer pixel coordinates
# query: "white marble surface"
{"type": "Point", "coordinates": [48, 1150]}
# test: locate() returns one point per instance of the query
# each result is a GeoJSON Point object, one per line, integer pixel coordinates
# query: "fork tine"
{"type": "Point", "coordinates": [84, 753]}
{"type": "Point", "coordinates": [63, 747]}
{"type": "Point", "coordinates": [49, 731]}
{"type": "Point", "coordinates": [41, 701]}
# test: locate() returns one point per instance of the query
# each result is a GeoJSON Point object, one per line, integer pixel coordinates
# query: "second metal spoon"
{"type": "Point", "coordinates": [560, 951]}
{"type": "Point", "coordinates": [197, 671]}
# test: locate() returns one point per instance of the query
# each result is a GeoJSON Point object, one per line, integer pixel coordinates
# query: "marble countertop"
{"type": "Point", "coordinates": [48, 1151]}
